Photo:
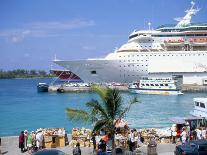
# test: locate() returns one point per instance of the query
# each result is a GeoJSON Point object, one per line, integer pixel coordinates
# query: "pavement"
{"type": "Point", "coordinates": [9, 146]}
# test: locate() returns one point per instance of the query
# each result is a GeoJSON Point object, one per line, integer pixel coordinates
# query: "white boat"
{"type": "Point", "coordinates": [156, 86]}
{"type": "Point", "coordinates": [169, 49]}
{"type": "Point", "coordinates": [200, 107]}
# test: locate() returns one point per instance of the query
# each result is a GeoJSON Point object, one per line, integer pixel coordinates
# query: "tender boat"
{"type": "Point", "coordinates": [42, 87]}
{"type": "Point", "coordinates": [200, 107]}
{"type": "Point", "coordinates": [156, 86]}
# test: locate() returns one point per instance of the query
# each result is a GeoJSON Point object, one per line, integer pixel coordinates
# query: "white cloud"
{"type": "Point", "coordinates": [26, 55]}
{"type": "Point", "coordinates": [88, 48]}
{"type": "Point", "coordinates": [77, 23]}
{"type": "Point", "coordinates": [43, 29]}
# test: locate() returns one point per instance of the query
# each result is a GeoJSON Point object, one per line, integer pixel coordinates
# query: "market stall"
{"type": "Point", "coordinates": [54, 137]}
{"type": "Point", "coordinates": [82, 136]}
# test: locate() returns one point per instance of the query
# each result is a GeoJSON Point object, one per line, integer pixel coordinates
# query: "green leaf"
{"type": "Point", "coordinates": [75, 114]}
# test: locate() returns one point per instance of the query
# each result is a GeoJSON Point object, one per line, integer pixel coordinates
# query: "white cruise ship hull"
{"type": "Point", "coordinates": [131, 66]}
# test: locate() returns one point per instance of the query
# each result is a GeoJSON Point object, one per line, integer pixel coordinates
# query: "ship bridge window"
{"type": "Point", "coordinates": [156, 85]}
{"type": "Point", "coordinates": [166, 84]}
{"type": "Point", "coordinates": [143, 84]}
{"type": "Point", "coordinates": [133, 36]}
{"type": "Point", "coordinates": [151, 84]}
{"type": "Point", "coordinates": [202, 105]}
{"type": "Point", "coordinates": [161, 85]}
{"type": "Point", "coordinates": [147, 84]}
{"type": "Point", "coordinates": [93, 72]}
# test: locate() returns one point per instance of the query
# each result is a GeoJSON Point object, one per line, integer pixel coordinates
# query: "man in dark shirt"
{"type": "Point", "coordinates": [21, 141]}
{"type": "Point", "coordinates": [77, 150]}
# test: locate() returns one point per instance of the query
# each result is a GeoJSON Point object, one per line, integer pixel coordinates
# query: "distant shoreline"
{"type": "Point", "coordinates": [24, 74]}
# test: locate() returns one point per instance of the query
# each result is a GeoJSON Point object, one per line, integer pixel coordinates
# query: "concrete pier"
{"type": "Point", "coordinates": [194, 88]}
{"type": "Point", "coordinates": [59, 88]}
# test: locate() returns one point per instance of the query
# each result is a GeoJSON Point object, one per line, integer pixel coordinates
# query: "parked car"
{"type": "Point", "coordinates": [197, 147]}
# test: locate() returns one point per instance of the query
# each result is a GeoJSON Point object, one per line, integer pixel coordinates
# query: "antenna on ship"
{"type": "Point", "coordinates": [149, 25]}
{"type": "Point", "coordinates": [55, 58]}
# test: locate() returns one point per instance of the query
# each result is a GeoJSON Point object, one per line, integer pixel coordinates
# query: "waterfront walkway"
{"type": "Point", "coordinates": [9, 146]}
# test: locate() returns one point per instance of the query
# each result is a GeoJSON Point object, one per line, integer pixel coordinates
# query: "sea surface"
{"type": "Point", "coordinates": [22, 107]}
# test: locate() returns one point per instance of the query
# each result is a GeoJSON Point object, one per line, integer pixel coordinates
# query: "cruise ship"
{"type": "Point", "coordinates": [170, 50]}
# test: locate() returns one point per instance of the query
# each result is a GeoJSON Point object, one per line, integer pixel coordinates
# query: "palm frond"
{"type": "Point", "coordinates": [96, 108]}
{"type": "Point", "coordinates": [132, 101]}
{"type": "Point", "coordinates": [99, 125]}
{"type": "Point", "coordinates": [75, 114]}
{"type": "Point", "coordinates": [113, 104]}
{"type": "Point", "coordinates": [101, 91]}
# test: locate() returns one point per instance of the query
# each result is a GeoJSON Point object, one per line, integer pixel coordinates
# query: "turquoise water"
{"type": "Point", "coordinates": [22, 107]}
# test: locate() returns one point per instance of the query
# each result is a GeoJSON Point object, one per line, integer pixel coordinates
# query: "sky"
{"type": "Point", "coordinates": [33, 32]}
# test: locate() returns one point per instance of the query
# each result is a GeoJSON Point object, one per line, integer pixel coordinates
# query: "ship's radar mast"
{"type": "Point", "coordinates": [186, 20]}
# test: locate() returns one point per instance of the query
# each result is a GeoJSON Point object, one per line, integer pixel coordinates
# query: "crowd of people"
{"type": "Point", "coordinates": [186, 133]}
{"type": "Point", "coordinates": [31, 142]}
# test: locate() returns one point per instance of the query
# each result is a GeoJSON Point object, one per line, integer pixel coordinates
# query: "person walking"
{"type": "Point", "coordinates": [21, 141]}
{"type": "Point", "coordinates": [77, 150]}
{"type": "Point", "coordinates": [93, 139]}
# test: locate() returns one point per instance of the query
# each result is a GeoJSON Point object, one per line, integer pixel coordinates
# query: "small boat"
{"type": "Point", "coordinates": [42, 87]}
{"type": "Point", "coordinates": [156, 86]}
{"type": "Point", "coordinates": [200, 107]}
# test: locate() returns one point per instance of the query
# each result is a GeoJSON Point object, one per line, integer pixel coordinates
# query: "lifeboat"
{"type": "Point", "coordinates": [198, 42]}
{"type": "Point", "coordinates": [179, 42]}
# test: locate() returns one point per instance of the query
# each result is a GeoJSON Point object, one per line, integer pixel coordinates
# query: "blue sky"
{"type": "Point", "coordinates": [32, 32]}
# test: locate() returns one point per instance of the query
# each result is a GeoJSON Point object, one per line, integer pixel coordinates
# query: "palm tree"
{"type": "Point", "coordinates": [104, 113]}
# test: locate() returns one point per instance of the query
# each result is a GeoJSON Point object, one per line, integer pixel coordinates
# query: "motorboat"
{"type": "Point", "coordinates": [156, 86]}
{"type": "Point", "coordinates": [42, 87]}
{"type": "Point", "coordinates": [200, 107]}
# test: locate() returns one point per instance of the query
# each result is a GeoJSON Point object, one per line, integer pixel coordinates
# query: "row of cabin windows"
{"type": "Point", "coordinates": [202, 105]}
{"type": "Point", "coordinates": [134, 70]}
{"type": "Point", "coordinates": [165, 55]}
{"type": "Point", "coordinates": [179, 35]}
{"type": "Point", "coordinates": [170, 35]}
{"type": "Point", "coordinates": [154, 84]}
{"type": "Point", "coordinates": [128, 75]}
{"type": "Point", "coordinates": [131, 60]}
{"type": "Point", "coordinates": [132, 65]}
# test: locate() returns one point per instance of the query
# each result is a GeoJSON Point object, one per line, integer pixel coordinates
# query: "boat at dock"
{"type": "Point", "coordinates": [42, 87]}
{"type": "Point", "coordinates": [156, 86]}
{"type": "Point", "coordinates": [200, 107]}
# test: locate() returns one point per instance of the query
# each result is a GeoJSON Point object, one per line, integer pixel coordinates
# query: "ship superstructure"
{"type": "Point", "coordinates": [167, 51]}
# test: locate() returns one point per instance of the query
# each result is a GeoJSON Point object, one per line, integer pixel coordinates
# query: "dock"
{"type": "Point", "coordinates": [62, 88]}
{"type": "Point", "coordinates": [194, 88]}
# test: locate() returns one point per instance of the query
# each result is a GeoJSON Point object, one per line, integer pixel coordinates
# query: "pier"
{"type": "Point", "coordinates": [56, 88]}
{"type": "Point", "coordinates": [194, 88]}
{"type": "Point", "coordinates": [62, 88]}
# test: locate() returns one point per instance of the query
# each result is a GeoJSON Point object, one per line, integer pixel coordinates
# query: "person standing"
{"type": "Point", "coordinates": [131, 141]}
{"type": "Point", "coordinates": [39, 139]}
{"type": "Point", "coordinates": [21, 141]}
{"type": "Point", "coordinates": [183, 136]}
{"type": "Point", "coordinates": [29, 143]}
{"type": "Point", "coordinates": [93, 138]}
{"type": "Point", "coordinates": [25, 139]}
{"type": "Point", "coordinates": [77, 150]}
